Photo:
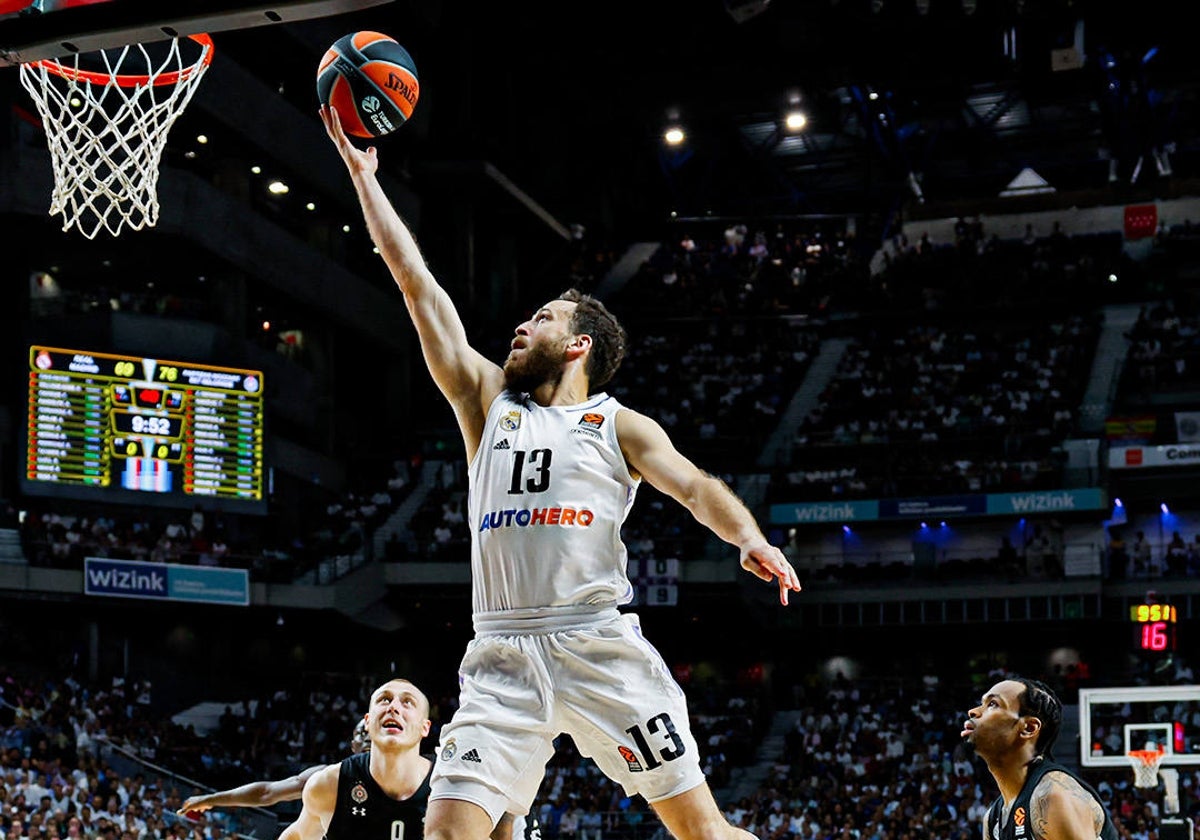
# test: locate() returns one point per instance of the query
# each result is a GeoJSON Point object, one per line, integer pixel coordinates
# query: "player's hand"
{"type": "Point", "coordinates": [193, 806]}
{"type": "Point", "coordinates": [767, 562]}
{"type": "Point", "coordinates": [357, 161]}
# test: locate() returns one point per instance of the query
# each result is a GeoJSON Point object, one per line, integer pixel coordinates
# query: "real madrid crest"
{"type": "Point", "coordinates": [449, 749]}
{"type": "Point", "coordinates": [358, 793]}
{"type": "Point", "coordinates": [511, 422]}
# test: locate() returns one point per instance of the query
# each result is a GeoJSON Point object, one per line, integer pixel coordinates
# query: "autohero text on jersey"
{"type": "Point", "coordinates": [528, 517]}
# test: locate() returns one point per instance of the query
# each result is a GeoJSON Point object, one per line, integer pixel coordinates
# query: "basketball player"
{"type": "Point", "coordinates": [1013, 730]}
{"type": "Point", "coordinates": [379, 794]}
{"type": "Point", "coordinates": [266, 794]}
{"type": "Point", "coordinates": [553, 471]}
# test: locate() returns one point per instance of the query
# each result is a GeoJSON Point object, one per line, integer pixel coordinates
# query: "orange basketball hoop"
{"type": "Point", "coordinates": [1145, 767]}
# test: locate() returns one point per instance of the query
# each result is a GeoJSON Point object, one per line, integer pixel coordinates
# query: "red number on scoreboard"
{"type": "Point", "coordinates": [1154, 636]}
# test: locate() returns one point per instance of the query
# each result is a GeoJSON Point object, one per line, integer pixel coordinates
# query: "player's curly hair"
{"type": "Point", "coordinates": [591, 317]}
{"type": "Point", "coordinates": [1039, 701]}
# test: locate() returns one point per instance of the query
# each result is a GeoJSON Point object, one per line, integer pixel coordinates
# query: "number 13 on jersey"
{"type": "Point", "coordinates": [538, 478]}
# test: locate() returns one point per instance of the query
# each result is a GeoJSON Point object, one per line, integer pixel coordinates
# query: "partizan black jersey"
{"type": "Point", "coordinates": [1018, 826]}
{"type": "Point", "coordinates": [365, 812]}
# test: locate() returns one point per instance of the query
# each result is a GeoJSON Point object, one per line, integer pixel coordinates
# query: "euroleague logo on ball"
{"type": "Point", "coordinates": [373, 110]}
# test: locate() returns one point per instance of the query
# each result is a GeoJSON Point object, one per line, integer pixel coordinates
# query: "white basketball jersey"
{"type": "Point", "coordinates": [549, 490]}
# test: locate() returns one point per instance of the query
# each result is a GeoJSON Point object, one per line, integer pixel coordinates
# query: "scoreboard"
{"type": "Point", "coordinates": [130, 428]}
{"type": "Point", "coordinates": [1154, 626]}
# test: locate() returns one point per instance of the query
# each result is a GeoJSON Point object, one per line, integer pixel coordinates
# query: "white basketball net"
{"type": "Point", "coordinates": [106, 134]}
{"type": "Point", "coordinates": [1145, 767]}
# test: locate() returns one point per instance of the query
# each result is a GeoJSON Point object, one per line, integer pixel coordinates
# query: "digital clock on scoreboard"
{"type": "Point", "coordinates": [1154, 626]}
{"type": "Point", "coordinates": [140, 429]}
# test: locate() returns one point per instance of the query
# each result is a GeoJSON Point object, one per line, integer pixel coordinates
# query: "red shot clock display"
{"type": "Point", "coordinates": [1154, 626]}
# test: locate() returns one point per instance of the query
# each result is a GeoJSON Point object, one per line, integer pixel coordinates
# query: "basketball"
{"type": "Point", "coordinates": [371, 81]}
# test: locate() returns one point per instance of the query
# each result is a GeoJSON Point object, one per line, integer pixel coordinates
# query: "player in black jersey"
{"type": "Point", "coordinates": [266, 794]}
{"type": "Point", "coordinates": [380, 794]}
{"type": "Point", "coordinates": [1013, 730]}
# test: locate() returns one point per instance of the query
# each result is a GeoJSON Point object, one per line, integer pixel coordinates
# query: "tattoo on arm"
{"type": "Point", "coordinates": [1055, 791]}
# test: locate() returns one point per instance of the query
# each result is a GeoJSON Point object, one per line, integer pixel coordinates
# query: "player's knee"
{"type": "Point", "coordinates": [725, 831]}
{"type": "Point", "coordinates": [441, 831]}
{"type": "Point", "coordinates": [440, 826]}
{"type": "Point", "coordinates": [715, 827]}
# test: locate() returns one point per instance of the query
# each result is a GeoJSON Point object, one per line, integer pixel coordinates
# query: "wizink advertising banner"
{"type": "Point", "coordinates": [806, 513]}
{"type": "Point", "coordinates": [165, 581]}
{"type": "Point", "coordinates": [1046, 501]}
{"type": "Point", "coordinates": [994, 504]}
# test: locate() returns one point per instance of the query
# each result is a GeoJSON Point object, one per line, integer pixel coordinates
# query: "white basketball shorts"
{"type": "Point", "coordinates": [593, 677]}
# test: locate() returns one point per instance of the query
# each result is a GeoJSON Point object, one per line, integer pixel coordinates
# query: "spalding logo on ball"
{"type": "Point", "coordinates": [371, 81]}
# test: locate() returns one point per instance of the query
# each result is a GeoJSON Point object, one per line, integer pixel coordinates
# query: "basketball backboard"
{"type": "Point", "coordinates": [1115, 721]}
{"type": "Point", "coordinates": [47, 29]}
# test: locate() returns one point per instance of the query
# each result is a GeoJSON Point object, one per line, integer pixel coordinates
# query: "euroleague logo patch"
{"type": "Point", "coordinates": [631, 759]}
{"type": "Point", "coordinates": [589, 424]}
{"type": "Point", "coordinates": [1019, 821]}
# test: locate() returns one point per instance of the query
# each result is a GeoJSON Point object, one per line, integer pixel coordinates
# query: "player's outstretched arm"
{"type": "Point", "coordinates": [252, 795]}
{"type": "Point", "coordinates": [650, 452]}
{"type": "Point", "coordinates": [320, 798]}
{"type": "Point", "coordinates": [467, 379]}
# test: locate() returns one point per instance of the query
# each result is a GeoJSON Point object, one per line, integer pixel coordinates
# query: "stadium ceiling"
{"type": "Point", "coordinates": [905, 99]}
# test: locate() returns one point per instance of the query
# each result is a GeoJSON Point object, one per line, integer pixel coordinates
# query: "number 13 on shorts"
{"type": "Point", "coordinates": [660, 723]}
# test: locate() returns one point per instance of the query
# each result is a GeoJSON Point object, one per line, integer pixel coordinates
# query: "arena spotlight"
{"type": "Point", "coordinates": [1163, 507]}
{"type": "Point", "coordinates": [674, 136]}
{"type": "Point", "coordinates": [795, 120]}
{"type": "Point", "coordinates": [924, 526]}
{"type": "Point", "coordinates": [1118, 503]}
{"type": "Point", "coordinates": [845, 529]}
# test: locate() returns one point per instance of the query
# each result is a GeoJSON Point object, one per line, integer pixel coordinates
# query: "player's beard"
{"type": "Point", "coordinates": [538, 365]}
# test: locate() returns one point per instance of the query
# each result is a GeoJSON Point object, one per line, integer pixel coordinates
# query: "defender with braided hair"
{"type": "Point", "coordinates": [1013, 729]}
